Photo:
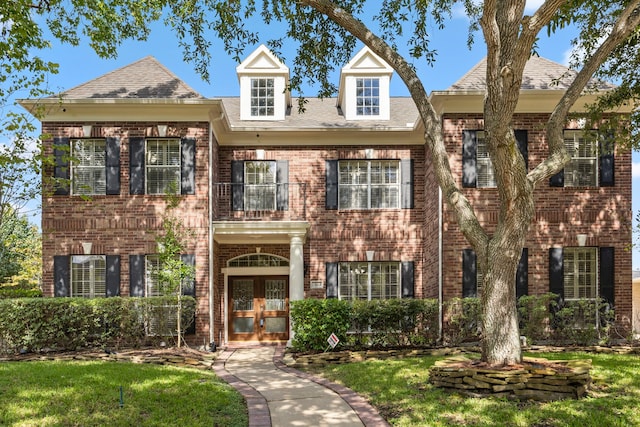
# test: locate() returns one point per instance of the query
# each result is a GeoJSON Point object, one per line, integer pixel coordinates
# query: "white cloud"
{"type": "Point", "coordinates": [635, 170]}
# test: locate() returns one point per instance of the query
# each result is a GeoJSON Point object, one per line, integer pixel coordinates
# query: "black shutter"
{"type": "Point", "coordinates": [606, 163]}
{"type": "Point", "coordinates": [136, 165]}
{"type": "Point", "coordinates": [557, 180]}
{"type": "Point", "coordinates": [522, 274]}
{"type": "Point", "coordinates": [112, 165]}
{"type": "Point", "coordinates": [189, 285]}
{"type": "Point", "coordinates": [332, 279]}
{"type": "Point", "coordinates": [522, 139]}
{"type": "Point", "coordinates": [331, 197]}
{"type": "Point", "coordinates": [282, 185]}
{"type": "Point", "coordinates": [607, 275]}
{"type": "Point", "coordinates": [61, 171]}
{"type": "Point", "coordinates": [113, 275]}
{"type": "Point", "coordinates": [406, 179]}
{"type": "Point", "coordinates": [136, 275]}
{"type": "Point", "coordinates": [408, 282]}
{"type": "Point", "coordinates": [469, 149]}
{"type": "Point", "coordinates": [188, 166]}
{"type": "Point", "coordinates": [61, 276]}
{"type": "Point", "coordinates": [469, 279]}
{"type": "Point", "coordinates": [237, 185]}
{"type": "Point", "coordinates": [556, 272]}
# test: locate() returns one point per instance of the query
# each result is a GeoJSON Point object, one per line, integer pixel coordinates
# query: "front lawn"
{"type": "Point", "coordinates": [47, 393]}
{"type": "Point", "coordinates": [401, 392]}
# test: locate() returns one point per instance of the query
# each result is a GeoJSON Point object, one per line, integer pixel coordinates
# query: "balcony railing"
{"type": "Point", "coordinates": [271, 202]}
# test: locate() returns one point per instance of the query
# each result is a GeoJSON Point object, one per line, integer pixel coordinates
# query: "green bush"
{"type": "Point", "coordinates": [19, 292]}
{"type": "Point", "coordinates": [582, 322]}
{"type": "Point", "coordinates": [534, 316]}
{"type": "Point", "coordinates": [463, 320]}
{"type": "Point", "coordinates": [36, 324]}
{"type": "Point", "coordinates": [314, 320]}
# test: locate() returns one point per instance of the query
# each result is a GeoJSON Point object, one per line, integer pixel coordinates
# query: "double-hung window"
{"type": "Point", "coordinates": [369, 280]}
{"type": "Point", "coordinates": [153, 287]}
{"type": "Point", "coordinates": [368, 96]}
{"type": "Point", "coordinates": [88, 276]}
{"type": "Point", "coordinates": [260, 185]}
{"type": "Point", "coordinates": [262, 97]}
{"type": "Point", "coordinates": [582, 169]}
{"type": "Point", "coordinates": [369, 184]}
{"type": "Point", "coordinates": [88, 169]}
{"type": "Point", "coordinates": [163, 166]}
{"type": "Point", "coordinates": [580, 273]}
{"type": "Point", "coordinates": [486, 177]}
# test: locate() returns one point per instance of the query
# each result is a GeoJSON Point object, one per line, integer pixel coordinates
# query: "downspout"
{"type": "Point", "coordinates": [440, 291]}
{"type": "Point", "coordinates": [211, 231]}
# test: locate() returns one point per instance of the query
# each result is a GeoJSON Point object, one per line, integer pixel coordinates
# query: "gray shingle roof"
{"type": "Point", "coordinates": [145, 78]}
{"type": "Point", "coordinates": [539, 73]}
{"type": "Point", "coordinates": [323, 114]}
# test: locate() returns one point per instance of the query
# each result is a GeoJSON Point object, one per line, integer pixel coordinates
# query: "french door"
{"type": "Point", "coordinates": [258, 308]}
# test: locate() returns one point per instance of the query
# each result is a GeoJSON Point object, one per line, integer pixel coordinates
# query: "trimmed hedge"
{"type": "Point", "coordinates": [61, 324]}
{"type": "Point", "coordinates": [414, 322]}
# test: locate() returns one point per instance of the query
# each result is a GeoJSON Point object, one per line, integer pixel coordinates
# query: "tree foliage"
{"type": "Point", "coordinates": [20, 251]}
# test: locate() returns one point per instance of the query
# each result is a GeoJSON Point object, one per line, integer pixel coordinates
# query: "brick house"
{"type": "Point", "coordinates": [338, 201]}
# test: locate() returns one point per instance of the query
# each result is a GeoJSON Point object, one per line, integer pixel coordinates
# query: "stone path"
{"type": "Point", "coordinates": [280, 396]}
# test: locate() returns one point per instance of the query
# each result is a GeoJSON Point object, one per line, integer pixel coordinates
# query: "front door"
{"type": "Point", "coordinates": [259, 308]}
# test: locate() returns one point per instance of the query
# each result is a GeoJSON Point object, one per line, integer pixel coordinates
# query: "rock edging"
{"type": "Point", "coordinates": [535, 379]}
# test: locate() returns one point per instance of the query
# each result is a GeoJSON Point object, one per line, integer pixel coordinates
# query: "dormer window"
{"type": "Point", "coordinates": [364, 87]}
{"type": "Point", "coordinates": [262, 98]}
{"type": "Point", "coordinates": [264, 82]}
{"type": "Point", "coordinates": [368, 97]}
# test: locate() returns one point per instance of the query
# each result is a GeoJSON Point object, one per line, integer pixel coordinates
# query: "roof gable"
{"type": "Point", "coordinates": [367, 62]}
{"type": "Point", "coordinates": [262, 61]}
{"type": "Point", "coordinates": [145, 78]}
{"type": "Point", "coordinates": [539, 73]}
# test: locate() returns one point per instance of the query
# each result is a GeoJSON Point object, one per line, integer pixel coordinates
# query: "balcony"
{"type": "Point", "coordinates": [263, 202]}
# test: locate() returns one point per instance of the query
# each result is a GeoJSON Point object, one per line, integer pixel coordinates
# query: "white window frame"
{"type": "Point", "coordinates": [88, 276]}
{"type": "Point", "coordinates": [368, 96]}
{"type": "Point", "coordinates": [262, 97]}
{"type": "Point", "coordinates": [357, 280]}
{"type": "Point", "coordinates": [260, 185]}
{"type": "Point", "coordinates": [357, 184]}
{"type": "Point", "coordinates": [88, 175]}
{"type": "Point", "coordinates": [484, 166]}
{"type": "Point", "coordinates": [582, 170]}
{"type": "Point", "coordinates": [163, 160]}
{"type": "Point", "coordinates": [578, 275]}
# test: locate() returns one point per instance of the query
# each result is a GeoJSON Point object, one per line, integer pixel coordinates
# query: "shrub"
{"type": "Point", "coordinates": [463, 320]}
{"type": "Point", "coordinates": [534, 316]}
{"type": "Point", "coordinates": [315, 320]}
{"type": "Point", "coordinates": [19, 292]}
{"type": "Point", "coordinates": [36, 324]}
{"type": "Point", "coordinates": [582, 322]}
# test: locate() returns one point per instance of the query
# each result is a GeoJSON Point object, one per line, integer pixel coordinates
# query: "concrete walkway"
{"type": "Point", "coordinates": [280, 396]}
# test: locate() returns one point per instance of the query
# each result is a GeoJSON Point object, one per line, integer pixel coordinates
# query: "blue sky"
{"type": "Point", "coordinates": [80, 64]}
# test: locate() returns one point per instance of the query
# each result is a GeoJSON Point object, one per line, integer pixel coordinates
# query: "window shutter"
{"type": "Point", "coordinates": [556, 272]}
{"type": "Point", "coordinates": [332, 279]}
{"type": "Point", "coordinates": [112, 165]}
{"type": "Point", "coordinates": [136, 275]}
{"type": "Point", "coordinates": [61, 169]}
{"type": "Point", "coordinates": [408, 283]}
{"type": "Point", "coordinates": [331, 197]}
{"type": "Point", "coordinates": [282, 185]}
{"type": "Point", "coordinates": [237, 185]}
{"type": "Point", "coordinates": [557, 180]}
{"type": "Point", "coordinates": [469, 146]}
{"type": "Point", "coordinates": [136, 165]}
{"type": "Point", "coordinates": [406, 180]}
{"type": "Point", "coordinates": [522, 139]}
{"type": "Point", "coordinates": [61, 276]}
{"type": "Point", "coordinates": [113, 275]}
{"type": "Point", "coordinates": [469, 283]}
{"type": "Point", "coordinates": [189, 285]}
{"type": "Point", "coordinates": [522, 274]}
{"type": "Point", "coordinates": [606, 161]}
{"type": "Point", "coordinates": [607, 275]}
{"type": "Point", "coordinates": [188, 166]}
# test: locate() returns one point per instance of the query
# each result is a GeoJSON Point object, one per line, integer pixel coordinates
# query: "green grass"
{"type": "Point", "coordinates": [401, 392]}
{"type": "Point", "coordinates": [88, 394]}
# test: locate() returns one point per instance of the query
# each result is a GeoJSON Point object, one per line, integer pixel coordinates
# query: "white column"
{"type": "Point", "coordinates": [296, 274]}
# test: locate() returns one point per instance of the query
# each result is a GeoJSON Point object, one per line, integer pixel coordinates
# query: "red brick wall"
{"type": "Point", "coordinates": [603, 213]}
{"type": "Point", "coordinates": [123, 224]}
